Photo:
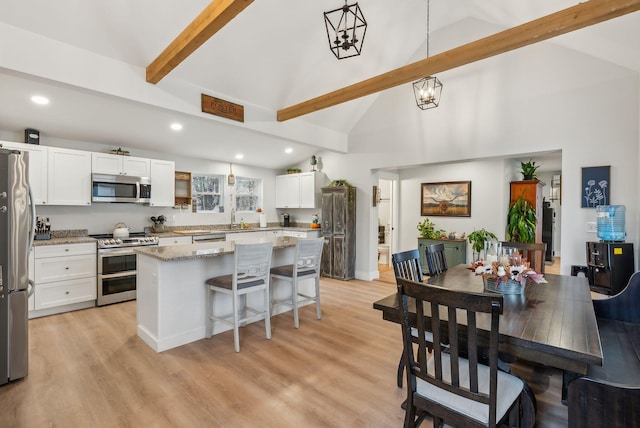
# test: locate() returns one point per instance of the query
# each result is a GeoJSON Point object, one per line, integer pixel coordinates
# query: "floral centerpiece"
{"type": "Point", "coordinates": [507, 277]}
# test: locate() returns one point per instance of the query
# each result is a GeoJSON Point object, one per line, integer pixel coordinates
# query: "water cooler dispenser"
{"type": "Point", "coordinates": [611, 260]}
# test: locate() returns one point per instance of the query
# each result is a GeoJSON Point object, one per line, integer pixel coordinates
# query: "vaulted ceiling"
{"type": "Point", "coordinates": [272, 55]}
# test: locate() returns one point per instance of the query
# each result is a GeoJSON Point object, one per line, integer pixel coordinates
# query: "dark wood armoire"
{"type": "Point", "coordinates": [339, 231]}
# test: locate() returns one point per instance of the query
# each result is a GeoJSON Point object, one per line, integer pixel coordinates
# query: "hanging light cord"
{"type": "Point", "coordinates": [427, 28]}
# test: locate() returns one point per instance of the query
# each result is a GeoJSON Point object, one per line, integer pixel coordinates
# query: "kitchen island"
{"type": "Point", "coordinates": [171, 295]}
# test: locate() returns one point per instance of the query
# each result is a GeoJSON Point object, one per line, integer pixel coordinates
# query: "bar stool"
{"type": "Point", "coordinates": [307, 266]}
{"type": "Point", "coordinates": [250, 274]}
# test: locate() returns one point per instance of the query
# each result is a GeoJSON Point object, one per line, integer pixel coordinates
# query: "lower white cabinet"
{"type": "Point", "coordinates": [65, 292]}
{"type": "Point", "coordinates": [302, 234]}
{"type": "Point", "coordinates": [240, 236]}
{"type": "Point", "coordinates": [174, 240]}
{"type": "Point", "coordinates": [64, 275]}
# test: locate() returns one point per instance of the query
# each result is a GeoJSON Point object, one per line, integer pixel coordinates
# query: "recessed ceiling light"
{"type": "Point", "coordinates": [239, 156]}
{"type": "Point", "coordinates": [176, 126]}
{"type": "Point", "coordinates": [288, 150]}
{"type": "Point", "coordinates": [39, 99]}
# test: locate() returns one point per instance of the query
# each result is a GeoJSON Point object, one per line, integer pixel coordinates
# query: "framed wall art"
{"type": "Point", "coordinates": [595, 186]}
{"type": "Point", "coordinates": [450, 198]}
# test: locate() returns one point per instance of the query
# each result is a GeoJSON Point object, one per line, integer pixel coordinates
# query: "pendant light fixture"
{"type": "Point", "coordinates": [231, 179]}
{"type": "Point", "coordinates": [346, 28]}
{"type": "Point", "coordinates": [428, 89]}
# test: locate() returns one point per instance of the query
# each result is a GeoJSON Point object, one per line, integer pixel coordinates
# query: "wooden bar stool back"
{"type": "Point", "coordinates": [307, 266]}
{"type": "Point", "coordinates": [252, 263]}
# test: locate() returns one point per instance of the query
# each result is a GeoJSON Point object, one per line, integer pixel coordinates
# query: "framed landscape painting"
{"type": "Point", "coordinates": [450, 198]}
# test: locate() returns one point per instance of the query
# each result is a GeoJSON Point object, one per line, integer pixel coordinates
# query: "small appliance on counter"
{"type": "Point", "coordinates": [286, 220]}
{"type": "Point", "coordinates": [43, 228]}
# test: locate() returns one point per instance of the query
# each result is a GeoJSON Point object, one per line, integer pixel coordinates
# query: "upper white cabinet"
{"type": "Point", "coordinates": [299, 190]}
{"type": "Point", "coordinates": [162, 183]}
{"type": "Point", "coordinates": [69, 177]}
{"type": "Point", "coordinates": [105, 163]}
{"type": "Point", "coordinates": [37, 168]}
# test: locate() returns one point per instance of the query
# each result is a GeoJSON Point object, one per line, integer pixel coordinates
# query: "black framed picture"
{"type": "Point", "coordinates": [450, 198]}
{"type": "Point", "coordinates": [596, 186]}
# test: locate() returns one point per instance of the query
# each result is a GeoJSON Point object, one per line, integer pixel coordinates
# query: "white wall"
{"type": "Point", "coordinates": [537, 99]}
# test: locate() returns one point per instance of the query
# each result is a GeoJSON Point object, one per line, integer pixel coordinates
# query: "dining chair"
{"type": "Point", "coordinates": [455, 390]}
{"type": "Point", "coordinates": [534, 253]}
{"type": "Point", "coordinates": [436, 260]}
{"type": "Point", "coordinates": [407, 265]}
{"type": "Point", "coordinates": [251, 265]}
{"type": "Point", "coordinates": [308, 256]}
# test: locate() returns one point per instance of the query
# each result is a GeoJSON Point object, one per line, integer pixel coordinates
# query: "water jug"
{"type": "Point", "coordinates": [610, 220]}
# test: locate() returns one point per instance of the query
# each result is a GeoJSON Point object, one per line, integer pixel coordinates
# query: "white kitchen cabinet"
{"type": "Point", "coordinates": [273, 233]}
{"type": "Point", "coordinates": [299, 190]}
{"type": "Point", "coordinates": [302, 234]}
{"type": "Point", "coordinates": [241, 236]}
{"type": "Point", "coordinates": [64, 275]}
{"type": "Point", "coordinates": [174, 240]}
{"type": "Point", "coordinates": [37, 168]}
{"type": "Point", "coordinates": [162, 183]}
{"type": "Point", "coordinates": [69, 177]}
{"type": "Point", "coordinates": [106, 163]}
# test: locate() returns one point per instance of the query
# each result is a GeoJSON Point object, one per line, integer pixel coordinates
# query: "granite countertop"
{"type": "Point", "coordinates": [65, 240]}
{"type": "Point", "coordinates": [61, 237]}
{"type": "Point", "coordinates": [204, 230]}
{"type": "Point", "coordinates": [205, 250]}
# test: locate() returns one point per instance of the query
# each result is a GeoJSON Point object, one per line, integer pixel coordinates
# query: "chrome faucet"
{"type": "Point", "coordinates": [233, 218]}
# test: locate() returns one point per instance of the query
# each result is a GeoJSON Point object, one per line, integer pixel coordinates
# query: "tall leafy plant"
{"type": "Point", "coordinates": [521, 221]}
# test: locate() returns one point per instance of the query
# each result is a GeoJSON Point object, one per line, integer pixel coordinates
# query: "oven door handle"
{"type": "Point", "coordinates": [115, 252]}
{"type": "Point", "coordinates": [119, 274]}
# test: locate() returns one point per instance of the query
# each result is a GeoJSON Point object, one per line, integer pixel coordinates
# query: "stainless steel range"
{"type": "Point", "coordinates": [117, 266]}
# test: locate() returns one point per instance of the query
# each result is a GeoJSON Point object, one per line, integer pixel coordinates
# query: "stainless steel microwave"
{"type": "Point", "coordinates": [120, 188]}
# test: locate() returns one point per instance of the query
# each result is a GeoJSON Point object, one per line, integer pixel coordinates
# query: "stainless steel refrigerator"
{"type": "Point", "coordinates": [16, 238]}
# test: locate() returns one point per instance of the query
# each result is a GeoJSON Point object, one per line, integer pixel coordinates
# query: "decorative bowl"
{"type": "Point", "coordinates": [505, 287]}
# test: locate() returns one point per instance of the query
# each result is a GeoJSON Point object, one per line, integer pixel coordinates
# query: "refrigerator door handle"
{"type": "Point", "coordinates": [32, 288]}
{"type": "Point", "coordinates": [32, 231]}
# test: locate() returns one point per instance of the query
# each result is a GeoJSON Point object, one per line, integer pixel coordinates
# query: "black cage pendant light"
{"type": "Point", "coordinates": [428, 89]}
{"type": "Point", "coordinates": [346, 28]}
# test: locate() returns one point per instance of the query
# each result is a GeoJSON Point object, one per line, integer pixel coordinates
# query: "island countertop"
{"type": "Point", "coordinates": [208, 249]}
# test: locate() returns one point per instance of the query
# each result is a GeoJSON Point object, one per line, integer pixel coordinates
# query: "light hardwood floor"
{"type": "Point", "coordinates": [89, 369]}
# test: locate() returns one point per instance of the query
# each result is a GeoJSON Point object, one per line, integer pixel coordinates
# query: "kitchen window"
{"type": "Point", "coordinates": [207, 192]}
{"type": "Point", "coordinates": [248, 194]}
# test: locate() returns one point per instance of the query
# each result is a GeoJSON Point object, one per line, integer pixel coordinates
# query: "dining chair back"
{"type": "Point", "coordinates": [307, 263]}
{"type": "Point", "coordinates": [533, 252]}
{"type": "Point", "coordinates": [456, 390]}
{"type": "Point", "coordinates": [436, 260]}
{"type": "Point", "coordinates": [407, 265]}
{"type": "Point", "coordinates": [251, 265]}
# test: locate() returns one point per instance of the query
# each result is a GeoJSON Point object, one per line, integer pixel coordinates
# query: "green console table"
{"type": "Point", "coordinates": [455, 250]}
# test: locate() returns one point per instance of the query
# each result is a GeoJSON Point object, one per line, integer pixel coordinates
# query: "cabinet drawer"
{"type": "Point", "coordinates": [175, 240]}
{"type": "Point", "coordinates": [64, 250]}
{"type": "Point", "coordinates": [65, 292]}
{"type": "Point", "coordinates": [299, 234]}
{"type": "Point", "coordinates": [64, 268]}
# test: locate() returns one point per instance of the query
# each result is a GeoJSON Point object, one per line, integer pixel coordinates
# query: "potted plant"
{"type": "Point", "coordinates": [428, 230]}
{"type": "Point", "coordinates": [521, 221]}
{"type": "Point", "coordinates": [477, 239]}
{"type": "Point", "coordinates": [528, 170]}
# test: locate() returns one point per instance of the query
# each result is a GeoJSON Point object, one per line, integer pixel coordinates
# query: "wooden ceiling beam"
{"type": "Point", "coordinates": [555, 24]}
{"type": "Point", "coordinates": [215, 16]}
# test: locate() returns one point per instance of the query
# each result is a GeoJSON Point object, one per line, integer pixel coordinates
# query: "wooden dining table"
{"type": "Point", "coordinates": [551, 323]}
